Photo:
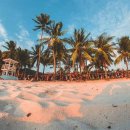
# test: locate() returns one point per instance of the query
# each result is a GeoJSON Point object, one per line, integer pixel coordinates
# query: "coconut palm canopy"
{"type": "Point", "coordinates": [81, 47]}
{"type": "Point", "coordinates": [123, 50]}
{"type": "Point", "coordinates": [104, 50]}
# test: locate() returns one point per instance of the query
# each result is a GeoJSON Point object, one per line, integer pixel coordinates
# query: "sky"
{"type": "Point", "coordinates": [96, 16]}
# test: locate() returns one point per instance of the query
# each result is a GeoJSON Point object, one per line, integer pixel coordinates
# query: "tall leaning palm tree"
{"type": "Point", "coordinates": [104, 52]}
{"type": "Point", "coordinates": [11, 49]}
{"type": "Point", "coordinates": [56, 42]}
{"type": "Point", "coordinates": [124, 51]}
{"type": "Point", "coordinates": [42, 21]}
{"type": "Point", "coordinates": [80, 47]}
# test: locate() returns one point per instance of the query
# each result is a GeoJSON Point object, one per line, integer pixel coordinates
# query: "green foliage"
{"type": "Point", "coordinates": [10, 46]}
{"type": "Point", "coordinates": [1, 59]}
{"type": "Point", "coordinates": [123, 50]}
{"type": "Point", "coordinates": [99, 53]}
{"type": "Point", "coordinates": [81, 46]}
{"type": "Point", "coordinates": [23, 57]}
{"type": "Point", "coordinates": [42, 21]}
{"type": "Point", "coordinates": [104, 51]}
{"type": "Point", "coordinates": [34, 54]}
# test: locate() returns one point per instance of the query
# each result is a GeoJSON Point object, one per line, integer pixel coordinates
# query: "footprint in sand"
{"type": "Point", "coordinates": [10, 108]}
{"type": "Point", "coordinates": [74, 92]}
{"type": "Point", "coordinates": [61, 103]}
{"type": "Point", "coordinates": [3, 93]}
{"type": "Point", "coordinates": [50, 93]}
{"type": "Point", "coordinates": [7, 106]}
{"type": "Point", "coordinates": [44, 104]}
{"type": "Point", "coordinates": [28, 87]}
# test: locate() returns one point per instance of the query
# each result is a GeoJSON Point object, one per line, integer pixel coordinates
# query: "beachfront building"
{"type": "Point", "coordinates": [9, 67]}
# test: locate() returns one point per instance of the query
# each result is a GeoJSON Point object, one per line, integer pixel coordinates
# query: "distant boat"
{"type": "Point", "coordinates": [9, 69]}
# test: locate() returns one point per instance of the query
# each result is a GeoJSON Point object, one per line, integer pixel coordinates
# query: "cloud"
{"type": "Point", "coordinates": [71, 29]}
{"type": "Point", "coordinates": [3, 35]}
{"type": "Point", "coordinates": [23, 38]}
{"type": "Point", "coordinates": [114, 19]}
{"type": "Point", "coordinates": [23, 33]}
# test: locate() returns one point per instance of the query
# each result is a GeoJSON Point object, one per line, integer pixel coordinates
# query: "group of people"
{"type": "Point", "coordinates": [75, 76]}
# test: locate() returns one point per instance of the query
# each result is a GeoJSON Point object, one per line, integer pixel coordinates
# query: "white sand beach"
{"type": "Point", "coordinates": [90, 105]}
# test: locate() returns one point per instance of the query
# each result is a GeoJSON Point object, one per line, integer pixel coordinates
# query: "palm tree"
{"type": "Point", "coordinates": [56, 43]}
{"type": "Point", "coordinates": [81, 47]}
{"type": "Point", "coordinates": [11, 48]}
{"type": "Point", "coordinates": [124, 51]}
{"type": "Point", "coordinates": [46, 59]}
{"type": "Point", "coordinates": [23, 57]}
{"type": "Point", "coordinates": [42, 21]}
{"type": "Point", "coordinates": [104, 52]}
{"type": "Point", "coordinates": [35, 57]}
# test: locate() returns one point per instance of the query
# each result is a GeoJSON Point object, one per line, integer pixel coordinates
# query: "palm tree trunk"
{"type": "Point", "coordinates": [37, 73]}
{"type": "Point", "coordinates": [24, 72]}
{"type": "Point", "coordinates": [60, 72]}
{"type": "Point", "coordinates": [43, 69]}
{"type": "Point", "coordinates": [126, 62]}
{"type": "Point", "coordinates": [80, 68]}
{"type": "Point", "coordinates": [54, 64]}
{"type": "Point", "coordinates": [80, 64]}
{"type": "Point", "coordinates": [105, 70]}
{"type": "Point", "coordinates": [38, 65]}
{"type": "Point", "coordinates": [105, 73]}
{"type": "Point", "coordinates": [43, 72]}
{"type": "Point", "coordinates": [39, 59]}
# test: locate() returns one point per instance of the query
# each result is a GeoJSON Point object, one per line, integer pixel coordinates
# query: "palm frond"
{"type": "Point", "coordinates": [119, 59]}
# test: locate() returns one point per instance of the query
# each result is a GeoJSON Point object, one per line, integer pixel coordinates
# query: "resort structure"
{"type": "Point", "coordinates": [9, 67]}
